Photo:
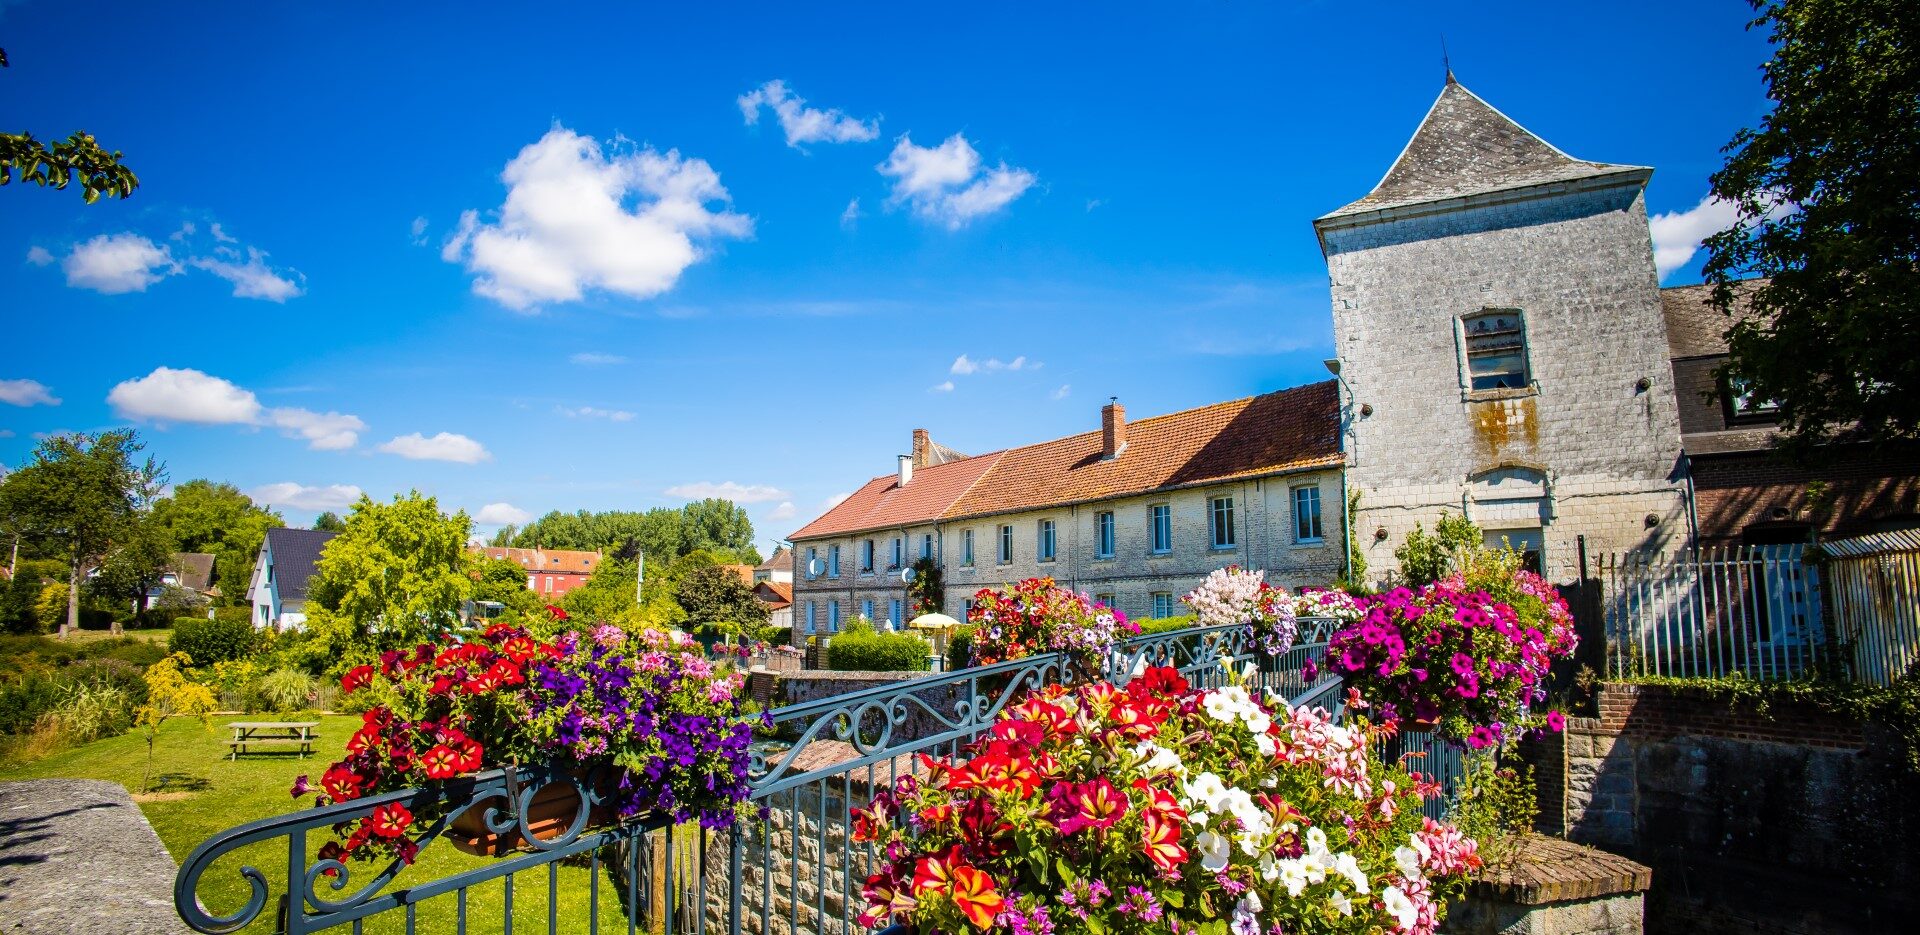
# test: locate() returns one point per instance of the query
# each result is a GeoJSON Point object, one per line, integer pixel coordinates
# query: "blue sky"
{"type": "Point", "coordinates": [662, 298]}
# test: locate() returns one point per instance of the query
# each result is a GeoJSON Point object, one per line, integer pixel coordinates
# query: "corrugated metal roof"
{"type": "Point", "coordinates": [1899, 540]}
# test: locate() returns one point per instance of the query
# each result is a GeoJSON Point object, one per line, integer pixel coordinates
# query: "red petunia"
{"type": "Point", "coordinates": [974, 893]}
{"type": "Point", "coordinates": [390, 820]}
{"type": "Point", "coordinates": [356, 678]}
{"type": "Point", "coordinates": [441, 762]}
{"type": "Point", "coordinates": [935, 874]}
{"type": "Point", "coordinates": [1096, 804]}
{"type": "Point", "coordinates": [342, 784]}
{"type": "Point", "coordinates": [1161, 841]}
{"type": "Point", "coordinates": [469, 751]}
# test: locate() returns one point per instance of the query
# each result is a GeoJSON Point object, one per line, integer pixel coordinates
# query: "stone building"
{"type": "Point", "coordinates": [1501, 345]}
{"type": "Point", "coordinates": [1135, 514]}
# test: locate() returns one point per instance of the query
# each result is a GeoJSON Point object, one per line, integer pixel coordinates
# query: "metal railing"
{"type": "Point", "coordinates": [792, 870]}
{"type": "Point", "coordinates": [1714, 611]}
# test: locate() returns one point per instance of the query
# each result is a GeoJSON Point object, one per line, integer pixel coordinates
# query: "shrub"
{"type": "Point", "coordinates": [240, 614]}
{"type": "Point", "coordinates": [93, 618]}
{"type": "Point", "coordinates": [860, 649]}
{"type": "Point", "coordinates": [284, 690]}
{"type": "Point", "coordinates": [209, 641]}
{"type": "Point", "coordinates": [959, 648]}
{"type": "Point", "coordinates": [87, 711]}
{"type": "Point", "coordinates": [1167, 624]}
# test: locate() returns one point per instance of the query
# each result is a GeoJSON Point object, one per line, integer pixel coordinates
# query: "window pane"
{"type": "Point", "coordinates": [1496, 349]}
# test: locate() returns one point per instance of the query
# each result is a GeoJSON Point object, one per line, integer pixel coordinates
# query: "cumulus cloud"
{"type": "Point", "coordinates": [187, 395]}
{"type": "Point", "coordinates": [302, 497]}
{"type": "Point", "coordinates": [501, 514]}
{"type": "Point", "coordinates": [966, 366]}
{"type": "Point", "coordinates": [728, 490]}
{"type": "Point", "coordinates": [565, 227]}
{"type": "Point", "coordinates": [944, 386]}
{"type": "Point", "coordinates": [253, 279]}
{"type": "Point", "coordinates": [785, 510]}
{"type": "Point", "coordinates": [589, 412]}
{"type": "Point", "coordinates": [963, 366]}
{"type": "Point", "coordinates": [26, 393]}
{"type": "Point", "coordinates": [804, 124]}
{"type": "Point", "coordinates": [113, 264]}
{"type": "Point", "coordinates": [593, 359]}
{"type": "Point", "coordinates": [948, 184]}
{"type": "Point", "coordinates": [444, 446]}
{"type": "Point", "coordinates": [1677, 234]}
{"type": "Point", "coordinates": [39, 256]}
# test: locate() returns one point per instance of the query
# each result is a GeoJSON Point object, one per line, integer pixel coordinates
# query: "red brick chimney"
{"type": "Point", "coordinates": [1113, 429]}
{"type": "Point", "coordinates": [921, 444]}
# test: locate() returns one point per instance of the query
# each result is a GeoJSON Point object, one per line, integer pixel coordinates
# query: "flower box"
{"type": "Point", "coordinates": [550, 813]}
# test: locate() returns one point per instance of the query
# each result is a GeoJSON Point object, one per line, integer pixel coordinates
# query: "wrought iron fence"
{"type": "Point", "coordinates": [1714, 611]}
{"type": "Point", "coordinates": [793, 870]}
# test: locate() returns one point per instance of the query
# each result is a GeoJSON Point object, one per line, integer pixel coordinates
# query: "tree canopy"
{"type": "Point", "coordinates": [81, 497]}
{"type": "Point", "coordinates": [396, 576]}
{"type": "Point", "coordinates": [206, 516]}
{"type": "Point", "coordinates": [716, 600]}
{"type": "Point", "coordinates": [662, 532]}
{"type": "Point", "coordinates": [1828, 188]}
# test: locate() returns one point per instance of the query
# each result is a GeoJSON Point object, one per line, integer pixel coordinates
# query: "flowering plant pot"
{"type": "Point", "coordinates": [1469, 655]}
{"type": "Point", "coordinates": [1233, 595]}
{"type": "Point", "coordinates": [1037, 616]}
{"type": "Point", "coordinates": [658, 727]}
{"type": "Point", "coordinates": [551, 811]}
{"type": "Point", "coordinates": [1157, 807]}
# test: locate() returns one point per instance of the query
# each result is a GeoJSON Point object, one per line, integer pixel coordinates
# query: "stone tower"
{"type": "Point", "coordinates": [1497, 319]}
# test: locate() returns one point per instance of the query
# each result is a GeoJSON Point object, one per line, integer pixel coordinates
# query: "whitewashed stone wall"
{"type": "Point", "coordinates": [1580, 266]}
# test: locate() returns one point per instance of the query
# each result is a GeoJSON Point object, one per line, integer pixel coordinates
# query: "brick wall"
{"type": "Point", "coordinates": [1735, 492]}
{"type": "Point", "coordinates": [1794, 821]}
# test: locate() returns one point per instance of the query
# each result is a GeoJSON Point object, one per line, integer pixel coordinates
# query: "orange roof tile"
{"type": "Point", "coordinates": [775, 594]}
{"type": "Point", "coordinates": [1286, 430]}
{"type": "Point", "coordinates": [546, 560]}
{"type": "Point", "coordinates": [882, 503]}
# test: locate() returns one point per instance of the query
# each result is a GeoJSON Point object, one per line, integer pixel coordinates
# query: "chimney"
{"type": "Point", "coordinates": [906, 469]}
{"type": "Point", "coordinates": [921, 445]}
{"type": "Point", "coordinates": [1113, 429]}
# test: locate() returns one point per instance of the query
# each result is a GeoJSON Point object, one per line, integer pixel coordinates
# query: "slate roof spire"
{"type": "Point", "coordinates": [1466, 147]}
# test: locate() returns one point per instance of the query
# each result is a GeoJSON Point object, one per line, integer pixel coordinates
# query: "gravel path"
{"type": "Point", "coordinates": [78, 858]}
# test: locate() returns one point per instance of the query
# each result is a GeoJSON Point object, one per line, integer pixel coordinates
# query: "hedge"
{"type": "Point", "coordinates": [860, 649]}
{"type": "Point", "coordinates": [209, 641]}
{"type": "Point", "coordinates": [1165, 624]}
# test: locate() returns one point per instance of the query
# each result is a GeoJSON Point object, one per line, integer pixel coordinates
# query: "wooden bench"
{"type": "Point", "coordinates": [271, 734]}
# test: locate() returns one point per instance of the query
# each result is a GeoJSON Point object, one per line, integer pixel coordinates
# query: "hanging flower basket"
{"type": "Point", "coordinates": [549, 814]}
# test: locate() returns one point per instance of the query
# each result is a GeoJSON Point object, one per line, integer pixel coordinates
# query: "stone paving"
{"type": "Point", "coordinates": [78, 858]}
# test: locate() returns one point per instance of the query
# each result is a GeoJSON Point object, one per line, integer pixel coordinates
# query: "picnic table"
{"type": "Point", "coordinates": [271, 734]}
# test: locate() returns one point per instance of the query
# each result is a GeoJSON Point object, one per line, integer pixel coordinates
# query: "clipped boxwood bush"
{"type": "Point", "coordinates": [1165, 624]}
{"type": "Point", "coordinates": [860, 649]}
{"type": "Point", "coordinates": [209, 641]}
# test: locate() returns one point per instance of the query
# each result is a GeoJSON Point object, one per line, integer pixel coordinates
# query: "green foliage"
{"type": "Point", "coordinates": [87, 710]}
{"type": "Point", "coordinates": [20, 597]}
{"type": "Point", "coordinates": [206, 642]}
{"type": "Point", "coordinates": [1897, 706]}
{"type": "Point", "coordinates": [503, 580]}
{"type": "Point", "coordinates": [1166, 624]}
{"type": "Point", "coordinates": [1426, 558]}
{"type": "Point", "coordinates": [926, 593]}
{"type": "Point", "coordinates": [204, 516]}
{"type": "Point", "coordinates": [1828, 189]}
{"type": "Point", "coordinates": [396, 577]}
{"type": "Point", "coordinates": [51, 608]}
{"type": "Point", "coordinates": [78, 157]}
{"type": "Point", "coordinates": [860, 648]}
{"type": "Point", "coordinates": [329, 521]}
{"type": "Point", "coordinates": [80, 496]}
{"type": "Point", "coordinates": [959, 648]}
{"type": "Point", "coordinates": [285, 690]}
{"type": "Point", "coordinates": [170, 693]}
{"type": "Point", "coordinates": [1496, 806]}
{"type": "Point", "coordinates": [661, 533]}
{"type": "Point", "coordinates": [716, 600]}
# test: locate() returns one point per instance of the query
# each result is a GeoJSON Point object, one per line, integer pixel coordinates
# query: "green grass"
{"type": "Point", "coordinates": [156, 635]}
{"type": "Point", "coordinates": [196, 793]}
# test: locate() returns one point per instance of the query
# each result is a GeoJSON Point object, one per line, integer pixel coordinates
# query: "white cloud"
{"type": "Point", "coordinates": [728, 490]}
{"type": "Point", "coordinates": [26, 393]}
{"type": "Point", "coordinates": [39, 256]}
{"type": "Point", "coordinates": [445, 446]}
{"type": "Point", "coordinates": [302, 497]}
{"type": "Point", "coordinates": [113, 264]}
{"type": "Point", "coordinates": [1677, 234]}
{"type": "Point", "coordinates": [220, 235]}
{"type": "Point", "coordinates": [785, 510]}
{"type": "Point", "coordinates": [253, 279]}
{"type": "Point", "coordinates": [419, 230]}
{"type": "Point", "coordinates": [565, 227]}
{"type": "Point", "coordinates": [963, 366]}
{"type": "Point", "coordinates": [589, 412]}
{"type": "Point", "coordinates": [1062, 392]}
{"type": "Point", "coordinates": [804, 124]}
{"type": "Point", "coordinates": [834, 501]}
{"type": "Point", "coordinates": [944, 386]}
{"type": "Point", "coordinates": [946, 183]}
{"type": "Point", "coordinates": [594, 359]}
{"type": "Point", "coordinates": [187, 395]}
{"type": "Point", "coordinates": [501, 514]}
{"type": "Point", "coordinates": [850, 217]}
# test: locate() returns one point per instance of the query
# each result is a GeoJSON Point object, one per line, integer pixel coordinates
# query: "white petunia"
{"type": "Point", "coordinates": [1408, 860]}
{"type": "Point", "coordinates": [1316, 841]}
{"type": "Point", "coordinates": [1348, 867]}
{"type": "Point", "coordinates": [1293, 876]}
{"type": "Point", "coordinates": [1206, 789]}
{"type": "Point", "coordinates": [1341, 903]}
{"type": "Point", "coordinates": [1215, 850]}
{"type": "Point", "coordinates": [1400, 907]}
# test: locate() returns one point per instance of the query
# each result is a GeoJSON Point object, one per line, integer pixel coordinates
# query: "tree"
{"type": "Point", "coordinates": [1425, 558]}
{"type": "Point", "coordinates": [77, 157]}
{"type": "Point", "coordinates": [169, 693]}
{"type": "Point", "coordinates": [329, 521]}
{"type": "Point", "coordinates": [502, 537]}
{"type": "Point", "coordinates": [927, 592]}
{"type": "Point", "coordinates": [133, 569]}
{"type": "Point", "coordinates": [502, 580]}
{"type": "Point", "coordinates": [661, 532]}
{"type": "Point", "coordinates": [714, 598]}
{"type": "Point", "coordinates": [205, 516]}
{"type": "Point", "coordinates": [394, 578]}
{"type": "Point", "coordinates": [1828, 191]}
{"type": "Point", "coordinates": [79, 497]}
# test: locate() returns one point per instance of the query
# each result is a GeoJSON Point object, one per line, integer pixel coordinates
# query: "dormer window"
{"type": "Point", "coordinates": [1495, 340]}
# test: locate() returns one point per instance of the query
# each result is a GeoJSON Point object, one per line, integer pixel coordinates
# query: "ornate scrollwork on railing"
{"type": "Point", "coordinates": [506, 799]}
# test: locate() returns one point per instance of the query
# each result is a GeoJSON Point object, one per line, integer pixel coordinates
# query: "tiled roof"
{"type": "Point", "coordinates": [549, 561]}
{"type": "Point", "coordinates": [1694, 327]}
{"type": "Point", "coordinates": [775, 594]}
{"type": "Point", "coordinates": [1466, 147]}
{"type": "Point", "coordinates": [1290, 429]}
{"type": "Point", "coordinates": [780, 560]}
{"type": "Point", "coordinates": [295, 552]}
{"type": "Point", "coordinates": [194, 568]}
{"type": "Point", "coordinates": [743, 572]}
{"type": "Point", "coordinates": [882, 503]}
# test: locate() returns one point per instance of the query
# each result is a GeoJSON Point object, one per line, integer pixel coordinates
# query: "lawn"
{"type": "Point", "coordinates": [196, 792]}
{"type": "Point", "coordinates": [156, 635]}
